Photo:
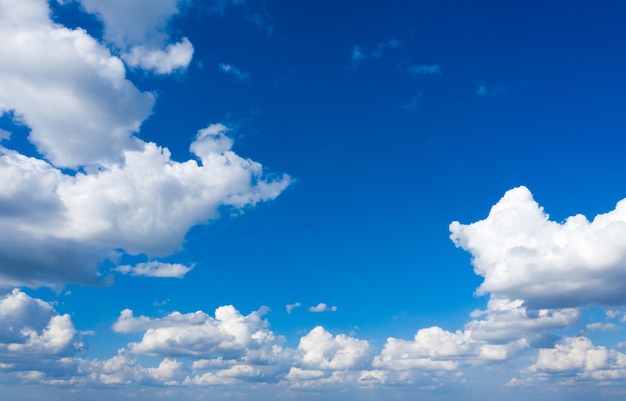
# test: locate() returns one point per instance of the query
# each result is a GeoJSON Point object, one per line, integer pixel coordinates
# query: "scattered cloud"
{"type": "Point", "coordinates": [138, 28]}
{"type": "Point", "coordinates": [413, 103]}
{"type": "Point", "coordinates": [322, 307]}
{"type": "Point", "coordinates": [291, 307]}
{"type": "Point", "coordinates": [155, 269]}
{"type": "Point", "coordinates": [234, 71]}
{"type": "Point", "coordinates": [32, 332]}
{"type": "Point", "coordinates": [424, 69]}
{"type": "Point", "coordinates": [484, 91]}
{"type": "Point", "coordinates": [174, 57]}
{"type": "Point", "coordinates": [321, 350]}
{"type": "Point", "coordinates": [360, 54]}
{"type": "Point", "coordinates": [573, 360]}
{"type": "Point", "coordinates": [97, 190]}
{"type": "Point", "coordinates": [602, 326]}
{"type": "Point", "coordinates": [522, 254]}
{"type": "Point", "coordinates": [4, 134]}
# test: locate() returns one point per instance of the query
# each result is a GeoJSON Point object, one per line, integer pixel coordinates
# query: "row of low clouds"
{"type": "Point", "coordinates": [58, 228]}
{"type": "Point", "coordinates": [229, 348]}
{"type": "Point", "coordinates": [98, 189]}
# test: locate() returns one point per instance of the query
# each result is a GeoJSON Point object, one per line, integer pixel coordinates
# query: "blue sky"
{"type": "Point", "coordinates": [315, 201]}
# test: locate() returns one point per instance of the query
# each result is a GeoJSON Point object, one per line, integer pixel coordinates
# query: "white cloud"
{"type": "Point", "coordinates": [131, 22]}
{"type": "Point", "coordinates": [155, 269]}
{"type": "Point", "coordinates": [523, 255]}
{"type": "Point", "coordinates": [234, 71]}
{"type": "Point", "coordinates": [44, 64]}
{"type": "Point", "coordinates": [601, 326]}
{"type": "Point", "coordinates": [32, 332]}
{"type": "Point", "coordinates": [359, 53]}
{"type": "Point", "coordinates": [175, 56]}
{"type": "Point", "coordinates": [291, 307]}
{"type": "Point", "coordinates": [129, 195]}
{"type": "Point", "coordinates": [145, 206]}
{"type": "Point", "coordinates": [505, 321]}
{"type": "Point", "coordinates": [4, 134]}
{"type": "Point", "coordinates": [424, 69]}
{"type": "Point", "coordinates": [139, 29]}
{"type": "Point", "coordinates": [321, 350]}
{"type": "Point", "coordinates": [575, 359]}
{"type": "Point", "coordinates": [230, 335]}
{"type": "Point", "coordinates": [322, 307]}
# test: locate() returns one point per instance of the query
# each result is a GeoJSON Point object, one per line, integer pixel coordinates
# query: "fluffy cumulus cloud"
{"type": "Point", "coordinates": [32, 333]}
{"type": "Point", "coordinates": [139, 29]}
{"type": "Point", "coordinates": [162, 61]}
{"type": "Point", "coordinates": [124, 194]}
{"type": "Point", "coordinates": [573, 360]}
{"type": "Point", "coordinates": [96, 109]}
{"type": "Point", "coordinates": [522, 254]}
{"type": "Point", "coordinates": [229, 335]}
{"type": "Point", "coordinates": [321, 350]}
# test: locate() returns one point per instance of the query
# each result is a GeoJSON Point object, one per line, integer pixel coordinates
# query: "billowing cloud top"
{"type": "Point", "coordinates": [522, 254]}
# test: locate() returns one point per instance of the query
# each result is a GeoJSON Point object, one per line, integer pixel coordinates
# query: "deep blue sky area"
{"type": "Point", "coordinates": [323, 200]}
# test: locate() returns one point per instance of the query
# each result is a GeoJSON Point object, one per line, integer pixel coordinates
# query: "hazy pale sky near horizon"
{"type": "Point", "coordinates": [322, 200]}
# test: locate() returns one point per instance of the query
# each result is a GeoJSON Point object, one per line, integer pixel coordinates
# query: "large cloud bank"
{"type": "Point", "coordinates": [97, 189]}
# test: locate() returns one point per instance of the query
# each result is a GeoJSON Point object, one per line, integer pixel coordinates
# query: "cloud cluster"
{"type": "Point", "coordinates": [32, 333]}
{"type": "Point", "coordinates": [97, 189]}
{"type": "Point", "coordinates": [139, 28]}
{"type": "Point", "coordinates": [575, 359]}
{"type": "Point", "coordinates": [522, 254]}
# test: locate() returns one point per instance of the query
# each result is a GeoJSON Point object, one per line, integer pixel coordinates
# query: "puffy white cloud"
{"type": "Point", "coordinates": [130, 22]}
{"type": "Point", "coordinates": [96, 109]}
{"type": "Point", "coordinates": [321, 350]}
{"type": "Point", "coordinates": [494, 335]}
{"type": "Point", "coordinates": [229, 335]}
{"type": "Point", "coordinates": [322, 307]}
{"type": "Point", "coordinates": [575, 359]}
{"type": "Point", "coordinates": [139, 29]}
{"type": "Point", "coordinates": [124, 368]}
{"type": "Point", "coordinates": [523, 255]}
{"type": "Point", "coordinates": [32, 334]}
{"type": "Point", "coordinates": [155, 269]}
{"type": "Point", "coordinates": [506, 321]}
{"type": "Point", "coordinates": [174, 57]}
{"type": "Point", "coordinates": [145, 205]}
{"type": "Point", "coordinates": [130, 196]}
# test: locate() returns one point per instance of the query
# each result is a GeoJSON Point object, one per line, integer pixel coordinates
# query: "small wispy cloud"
{"type": "Point", "coordinates": [413, 103]}
{"type": "Point", "coordinates": [238, 73]}
{"type": "Point", "coordinates": [155, 269]}
{"type": "Point", "coordinates": [484, 91]}
{"type": "Point", "coordinates": [360, 53]}
{"type": "Point", "coordinates": [602, 326]}
{"type": "Point", "coordinates": [291, 307]}
{"type": "Point", "coordinates": [4, 134]}
{"type": "Point", "coordinates": [322, 307]}
{"type": "Point", "coordinates": [424, 69]}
